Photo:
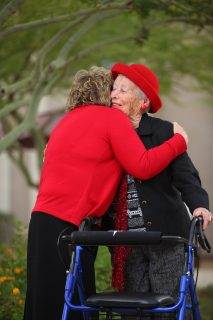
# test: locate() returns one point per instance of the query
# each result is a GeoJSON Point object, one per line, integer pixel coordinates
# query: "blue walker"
{"type": "Point", "coordinates": [115, 305]}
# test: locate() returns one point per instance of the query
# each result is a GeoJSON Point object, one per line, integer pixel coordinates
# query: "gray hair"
{"type": "Point", "coordinates": [141, 95]}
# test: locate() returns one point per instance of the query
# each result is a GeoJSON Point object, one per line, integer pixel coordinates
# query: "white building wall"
{"type": "Point", "coordinates": [21, 195]}
{"type": "Point", "coordinates": [5, 184]}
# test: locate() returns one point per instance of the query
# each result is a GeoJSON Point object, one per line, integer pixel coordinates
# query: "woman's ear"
{"type": "Point", "coordinates": [145, 104]}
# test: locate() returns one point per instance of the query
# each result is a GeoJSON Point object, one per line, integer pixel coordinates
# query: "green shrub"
{"type": "Point", "coordinates": [206, 306]}
{"type": "Point", "coordinates": [103, 269]}
{"type": "Point", "coordinates": [13, 276]}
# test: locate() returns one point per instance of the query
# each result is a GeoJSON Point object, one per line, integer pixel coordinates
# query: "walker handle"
{"type": "Point", "coordinates": [113, 237]}
{"type": "Point", "coordinates": [196, 231]}
{"type": "Point", "coordinates": [203, 241]}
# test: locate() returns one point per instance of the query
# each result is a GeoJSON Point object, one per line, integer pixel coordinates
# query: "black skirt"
{"type": "Point", "coordinates": [46, 274]}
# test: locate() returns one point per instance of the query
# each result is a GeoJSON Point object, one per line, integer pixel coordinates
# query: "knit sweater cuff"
{"type": "Point", "coordinates": [178, 144]}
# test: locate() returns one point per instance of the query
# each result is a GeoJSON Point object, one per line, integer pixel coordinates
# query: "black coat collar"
{"type": "Point", "coordinates": [145, 126]}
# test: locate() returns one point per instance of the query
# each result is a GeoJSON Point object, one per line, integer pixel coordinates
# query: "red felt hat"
{"type": "Point", "coordinates": [144, 78]}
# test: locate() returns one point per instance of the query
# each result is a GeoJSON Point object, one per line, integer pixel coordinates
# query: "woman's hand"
{"type": "Point", "coordinates": [180, 130]}
{"type": "Point", "coordinates": [206, 214]}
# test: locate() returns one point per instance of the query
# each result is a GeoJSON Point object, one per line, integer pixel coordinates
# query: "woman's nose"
{"type": "Point", "coordinates": [114, 93]}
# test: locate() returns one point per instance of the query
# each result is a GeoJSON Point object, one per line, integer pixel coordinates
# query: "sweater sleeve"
{"type": "Point", "coordinates": [131, 152]}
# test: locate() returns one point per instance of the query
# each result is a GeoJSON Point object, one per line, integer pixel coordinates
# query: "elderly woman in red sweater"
{"type": "Point", "coordinates": [83, 164]}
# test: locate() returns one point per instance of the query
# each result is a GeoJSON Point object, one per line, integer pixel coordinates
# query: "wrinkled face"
{"type": "Point", "coordinates": [124, 96]}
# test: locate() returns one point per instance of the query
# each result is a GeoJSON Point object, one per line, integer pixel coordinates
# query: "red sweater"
{"type": "Point", "coordinates": [85, 157]}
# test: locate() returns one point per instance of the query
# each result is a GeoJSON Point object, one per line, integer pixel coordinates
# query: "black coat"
{"type": "Point", "coordinates": [162, 197]}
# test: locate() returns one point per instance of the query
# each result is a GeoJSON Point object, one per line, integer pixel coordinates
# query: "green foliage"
{"type": "Point", "coordinates": [196, 12]}
{"type": "Point", "coordinates": [206, 297]}
{"type": "Point", "coordinates": [177, 51]}
{"type": "Point", "coordinates": [154, 21]}
{"type": "Point", "coordinates": [103, 269]}
{"type": "Point", "coordinates": [16, 51]}
{"type": "Point", "coordinates": [13, 276]}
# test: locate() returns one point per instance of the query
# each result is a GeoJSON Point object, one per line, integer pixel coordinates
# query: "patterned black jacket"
{"type": "Point", "coordinates": [162, 198]}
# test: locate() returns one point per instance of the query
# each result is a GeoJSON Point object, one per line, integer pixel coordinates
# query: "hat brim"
{"type": "Point", "coordinates": [140, 81]}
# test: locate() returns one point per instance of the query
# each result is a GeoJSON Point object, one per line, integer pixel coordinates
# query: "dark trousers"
{"type": "Point", "coordinates": [156, 269]}
{"type": "Point", "coordinates": [46, 274]}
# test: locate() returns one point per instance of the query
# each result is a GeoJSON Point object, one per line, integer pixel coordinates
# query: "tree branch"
{"type": "Point", "coordinates": [59, 19]}
{"type": "Point", "coordinates": [16, 155]}
{"type": "Point", "coordinates": [8, 108]}
{"type": "Point", "coordinates": [18, 85]}
{"type": "Point", "coordinates": [28, 122]}
{"type": "Point", "coordinates": [34, 24]}
{"type": "Point", "coordinates": [9, 9]}
{"type": "Point", "coordinates": [89, 23]}
{"type": "Point", "coordinates": [98, 46]}
{"type": "Point", "coordinates": [19, 162]}
{"type": "Point", "coordinates": [54, 40]}
{"type": "Point", "coordinates": [40, 142]}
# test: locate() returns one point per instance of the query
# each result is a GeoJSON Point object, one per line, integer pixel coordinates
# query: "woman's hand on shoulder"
{"type": "Point", "coordinates": [180, 130]}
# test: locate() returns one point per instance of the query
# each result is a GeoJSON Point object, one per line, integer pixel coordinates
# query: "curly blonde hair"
{"type": "Point", "coordinates": [91, 86]}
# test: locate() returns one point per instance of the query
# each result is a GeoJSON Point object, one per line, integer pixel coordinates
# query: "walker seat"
{"type": "Point", "coordinates": [128, 300]}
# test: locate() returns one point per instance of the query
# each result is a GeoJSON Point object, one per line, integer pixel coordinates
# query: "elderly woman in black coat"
{"type": "Point", "coordinates": [157, 204]}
